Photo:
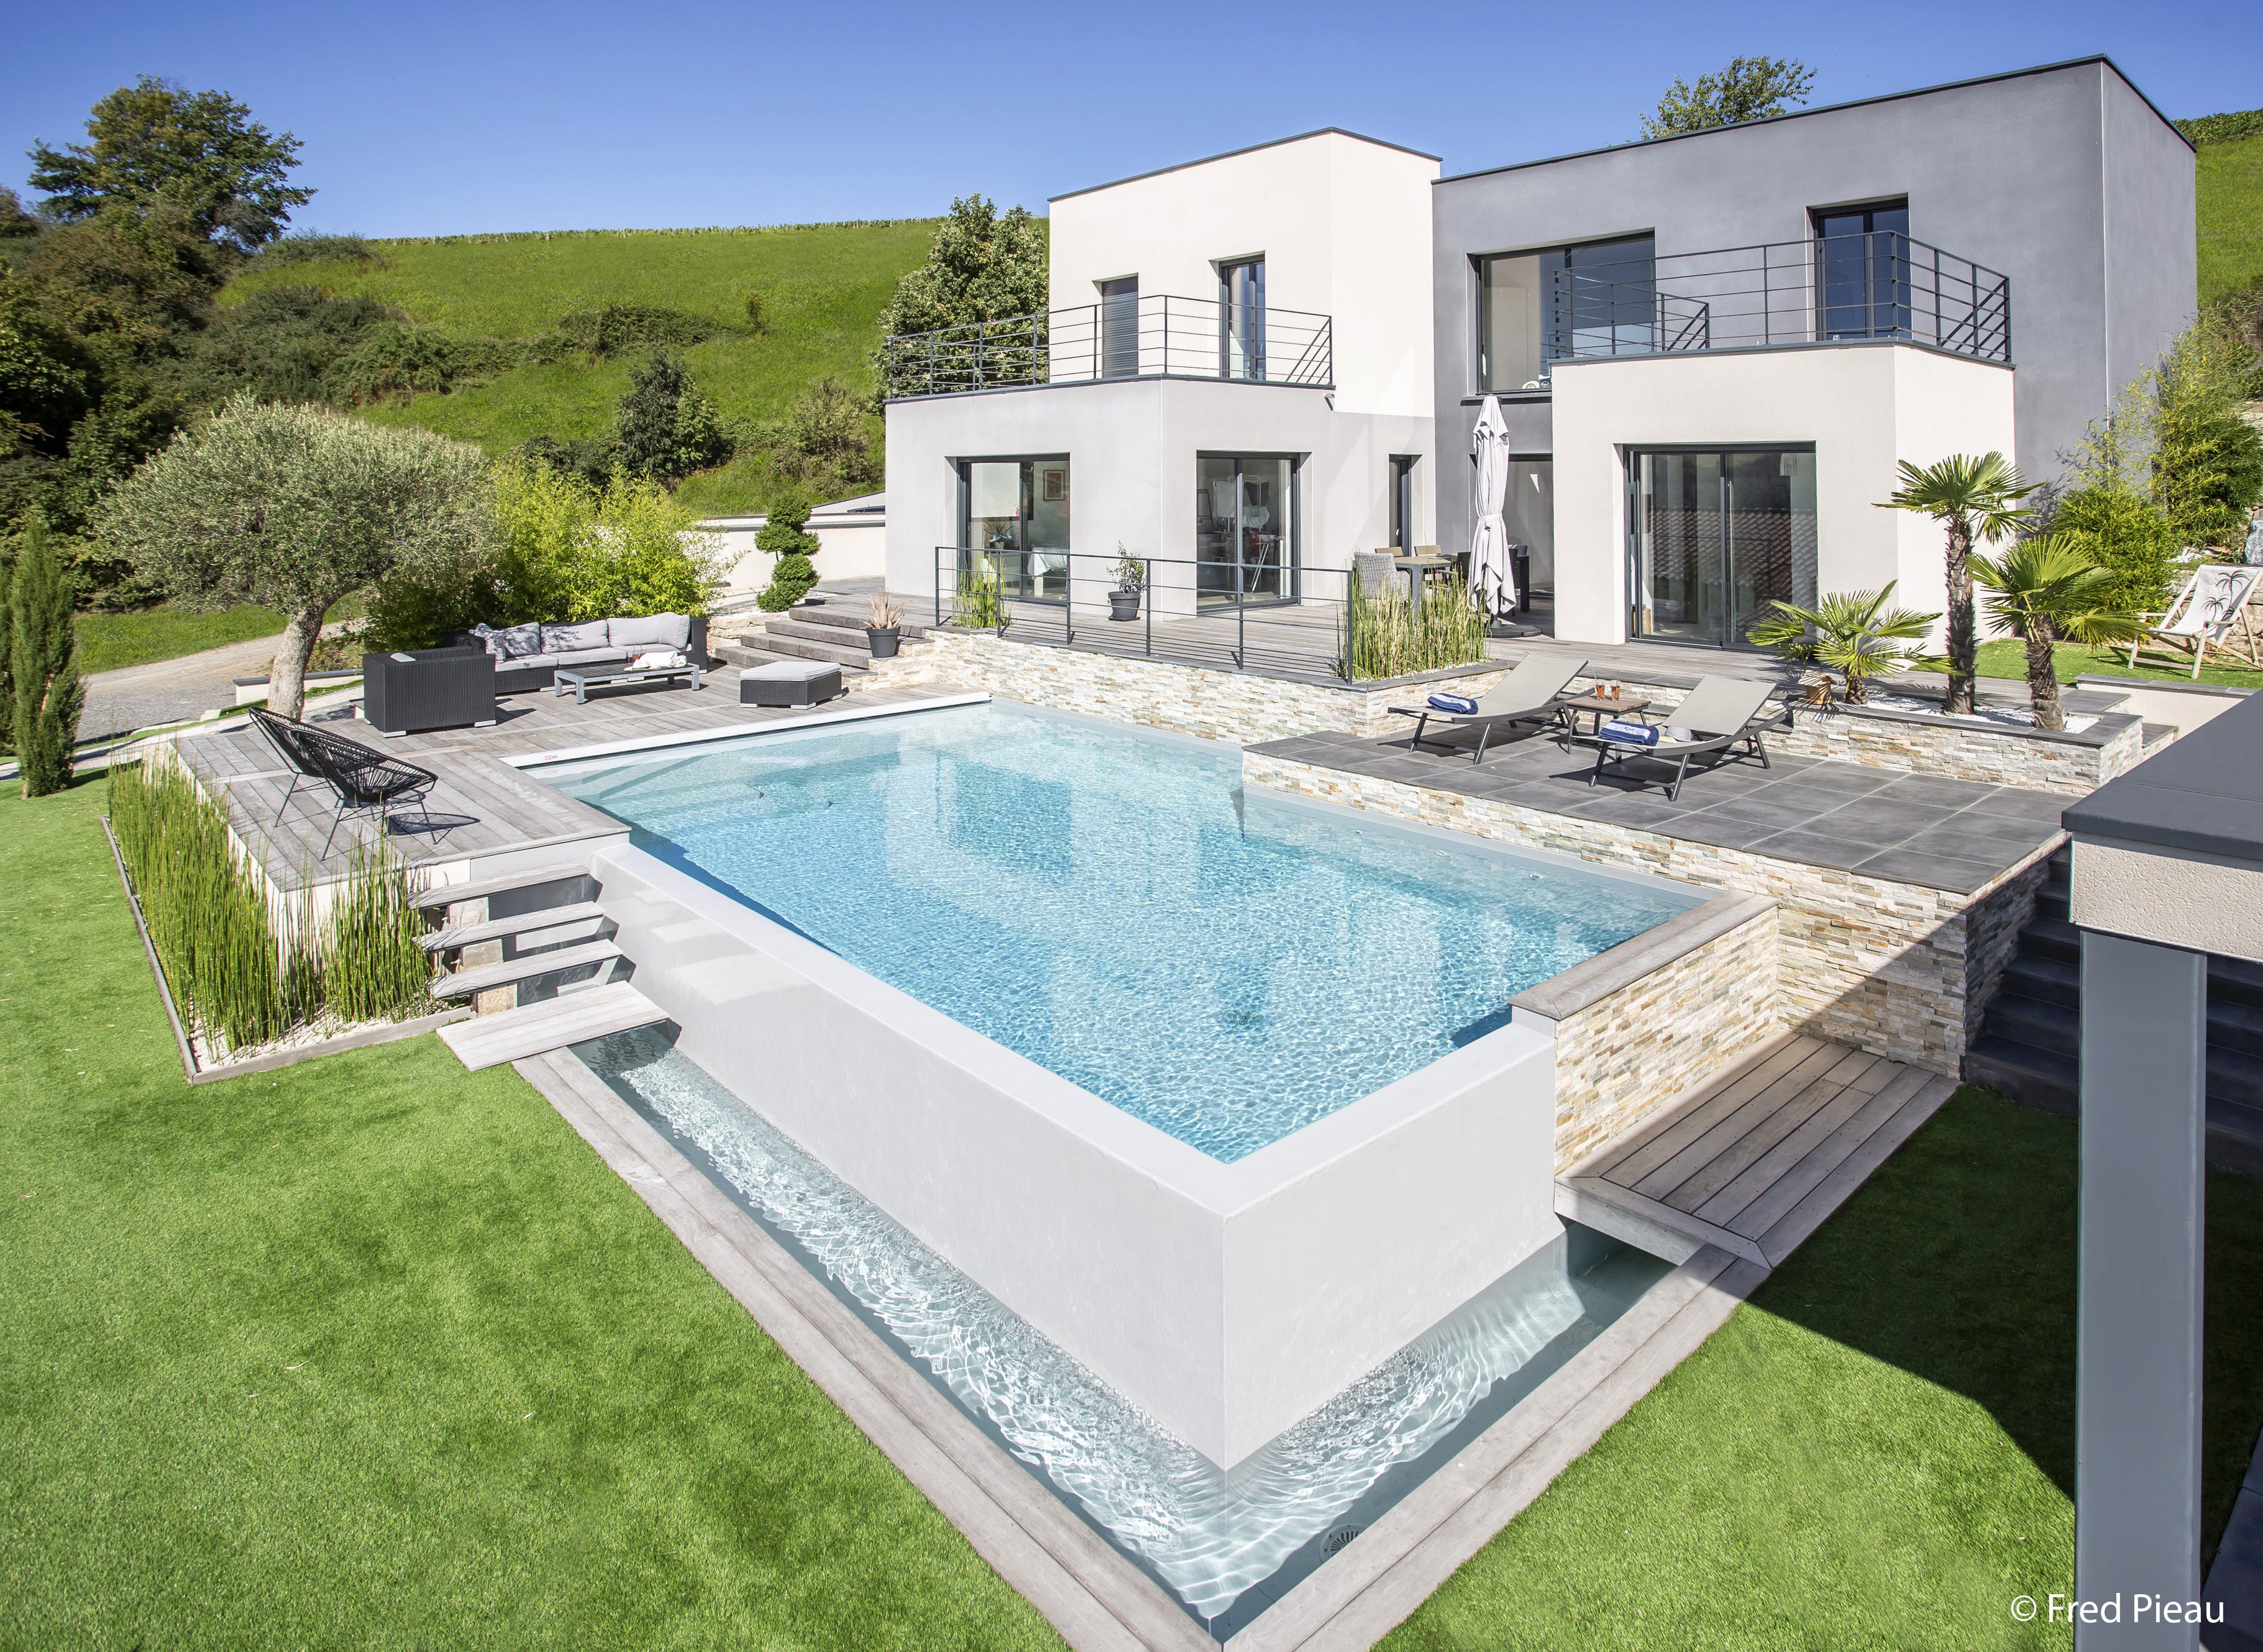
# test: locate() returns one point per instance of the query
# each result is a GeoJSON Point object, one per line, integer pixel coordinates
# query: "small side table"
{"type": "Point", "coordinates": [1625, 705]}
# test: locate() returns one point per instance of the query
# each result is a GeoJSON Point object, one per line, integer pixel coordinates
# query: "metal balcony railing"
{"type": "Point", "coordinates": [1151, 336]}
{"type": "Point", "coordinates": [1832, 290]}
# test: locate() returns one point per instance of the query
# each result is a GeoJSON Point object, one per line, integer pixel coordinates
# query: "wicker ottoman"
{"type": "Point", "coordinates": [789, 682]}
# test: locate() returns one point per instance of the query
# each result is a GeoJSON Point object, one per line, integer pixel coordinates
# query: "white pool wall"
{"type": "Point", "coordinates": [1227, 1301]}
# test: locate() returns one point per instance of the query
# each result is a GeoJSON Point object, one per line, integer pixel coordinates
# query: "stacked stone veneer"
{"type": "Point", "coordinates": [1240, 706]}
{"type": "Point", "coordinates": [1888, 967]}
{"type": "Point", "coordinates": [1674, 1027]}
{"type": "Point", "coordinates": [1999, 755]}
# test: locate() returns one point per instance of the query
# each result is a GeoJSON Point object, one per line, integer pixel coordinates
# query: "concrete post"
{"type": "Point", "coordinates": [2137, 1462]}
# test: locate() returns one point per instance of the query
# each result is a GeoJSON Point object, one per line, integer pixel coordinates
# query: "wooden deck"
{"type": "Point", "coordinates": [1754, 1162]}
{"type": "Point", "coordinates": [482, 807]}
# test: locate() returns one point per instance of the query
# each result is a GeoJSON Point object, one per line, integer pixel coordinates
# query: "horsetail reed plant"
{"type": "Point", "coordinates": [247, 968]}
{"type": "Point", "coordinates": [976, 602]}
{"type": "Point", "coordinates": [1385, 633]}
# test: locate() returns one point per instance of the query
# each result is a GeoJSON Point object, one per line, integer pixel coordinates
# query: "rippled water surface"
{"type": "Point", "coordinates": [1107, 903]}
{"type": "Point", "coordinates": [1226, 1544]}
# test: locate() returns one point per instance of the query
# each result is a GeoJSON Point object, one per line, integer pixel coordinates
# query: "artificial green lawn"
{"type": "Point", "coordinates": [373, 1351]}
{"type": "Point", "coordinates": [2008, 658]}
{"type": "Point", "coordinates": [823, 287]}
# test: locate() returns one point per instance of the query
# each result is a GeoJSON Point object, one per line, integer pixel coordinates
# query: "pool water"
{"type": "Point", "coordinates": [1112, 905]}
{"type": "Point", "coordinates": [1226, 1544]}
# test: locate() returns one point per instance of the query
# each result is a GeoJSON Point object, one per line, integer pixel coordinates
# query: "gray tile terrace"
{"type": "Point", "coordinates": [1949, 835]}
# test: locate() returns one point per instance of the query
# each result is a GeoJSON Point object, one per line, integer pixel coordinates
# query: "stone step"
{"type": "Point", "coordinates": [743, 654]}
{"type": "Point", "coordinates": [2051, 980]}
{"type": "Point", "coordinates": [534, 1029]}
{"type": "Point", "coordinates": [848, 614]}
{"type": "Point", "coordinates": [526, 967]}
{"type": "Point", "coordinates": [2042, 1078]}
{"type": "Point", "coordinates": [2235, 981]}
{"type": "Point", "coordinates": [520, 924]}
{"type": "Point", "coordinates": [481, 888]}
{"type": "Point", "coordinates": [2052, 937]}
{"type": "Point", "coordinates": [2033, 1021]}
{"type": "Point", "coordinates": [849, 657]}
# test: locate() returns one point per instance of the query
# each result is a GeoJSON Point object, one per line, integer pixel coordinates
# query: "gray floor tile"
{"type": "Point", "coordinates": [1876, 810]}
{"type": "Point", "coordinates": [1725, 833]}
{"type": "Point", "coordinates": [2001, 847]}
{"type": "Point", "coordinates": [1815, 849]}
{"type": "Point", "coordinates": [1848, 779]}
{"type": "Point", "coordinates": [1932, 788]}
{"type": "Point", "coordinates": [1763, 808]}
{"type": "Point", "coordinates": [2009, 802]}
{"type": "Point", "coordinates": [1936, 871]}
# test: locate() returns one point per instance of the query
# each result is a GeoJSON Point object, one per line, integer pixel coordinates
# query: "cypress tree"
{"type": "Point", "coordinates": [7, 649]}
{"type": "Point", "coordinates": [42, 660]}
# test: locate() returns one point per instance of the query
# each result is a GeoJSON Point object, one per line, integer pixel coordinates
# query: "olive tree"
{"type": "Point", "coordinates": [295, 508]}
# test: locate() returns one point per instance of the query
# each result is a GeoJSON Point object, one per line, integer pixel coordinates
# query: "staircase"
{"type": "Point", "coordinates": [2030, 1038]}
{"type": "Point", "coordinates": [834, 633]}
{"type": "Point", "coordinates": [535, 954]}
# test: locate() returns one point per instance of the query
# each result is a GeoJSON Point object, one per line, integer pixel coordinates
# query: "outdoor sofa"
{"type": "Point", "coordinates": [428, 688]}
{"type": "Point", "coordinates": [527, 656]}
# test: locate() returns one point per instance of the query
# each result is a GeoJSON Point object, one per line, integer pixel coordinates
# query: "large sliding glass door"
{"type": "Point", "coordinates": [1245, 528]}
{"type": "Point", "coordinates": [1718, 537]}
{"type": "Point", "coordinates": [1016, 512]}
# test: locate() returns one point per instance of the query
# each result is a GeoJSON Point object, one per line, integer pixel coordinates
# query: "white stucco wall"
{"type": "Point", "coordinates": [1133, 445]}
{"type": "Point", "coordinates": [850, 547]}
{"type": "Point", "coordinates": [1863, 407]}
{"type": "Point", "coordinates": [1342, 222]}
{"type": "Point", "coordinates": [1228, 1301]}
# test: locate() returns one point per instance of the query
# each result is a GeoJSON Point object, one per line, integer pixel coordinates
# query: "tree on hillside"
{"type": "Point", "coordinates": [984, 264]}
{"type": "Point", "coordinates": [201, 152]}
{"type": "Point", "coordinates": [2208, 460]}
{"type": "Point", "coordinates": [41, 661]}
{"type": "Point", "coordinates": [1749, 88]}
{"type": "Point", "coordinates": [826, 436]}
{"type": "Point", "coordinates": [294, 508]}
{"type": "Point", "coordinates": [668, 428]}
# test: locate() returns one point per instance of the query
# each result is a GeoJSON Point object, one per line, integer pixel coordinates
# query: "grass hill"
{"type": "Point", "coordinates": [2230, 216]}
{"type": "Point", "coordinates": [822, 287]}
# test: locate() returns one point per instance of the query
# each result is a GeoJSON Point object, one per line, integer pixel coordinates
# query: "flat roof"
{"type": "Point", "coordinates": [1270, 143]}
{"type": "Point", "coordinates": [2203, 794]}
{"type": "Point", "coordinates": [1826, 109]}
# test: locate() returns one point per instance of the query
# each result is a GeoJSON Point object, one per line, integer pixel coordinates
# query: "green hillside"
{"type": "Point", "coordinates": [822, 287]}
{"type": "Point", "coordinates": [2230, 216]}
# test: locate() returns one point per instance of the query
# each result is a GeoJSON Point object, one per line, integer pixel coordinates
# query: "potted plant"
{"type": "Point", "coordinates": [1131, 575]}
{"type": "Point", "coordinates": [1851, 633]}
{"type": "Point", "coordinates": [884, 628]}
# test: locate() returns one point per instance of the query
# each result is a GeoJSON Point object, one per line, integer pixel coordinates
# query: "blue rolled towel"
{"type": "Point", "coordinates": [1626, 732]}
{"type": "Point", "coordinates": [1459, 705]}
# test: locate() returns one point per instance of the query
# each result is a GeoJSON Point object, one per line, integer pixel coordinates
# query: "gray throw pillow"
{"type": "Point", "coordinates": [657, 630]}
{"type": "Point", "coordinates": [561, 640]}
{"type": "Point", "coordinates": [516, 642]}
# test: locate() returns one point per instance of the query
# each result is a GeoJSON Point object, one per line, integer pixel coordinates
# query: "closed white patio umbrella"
{"type": "Point", "coordinates": [1493, 578]}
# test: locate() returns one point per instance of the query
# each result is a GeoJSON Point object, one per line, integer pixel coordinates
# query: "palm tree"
{"type": "Point", "coordinates": [1968, 495]}
{"type": "Point", "coordinates": [1851, 633]}
{"type": "Point", "coordinates": [2049, 589]}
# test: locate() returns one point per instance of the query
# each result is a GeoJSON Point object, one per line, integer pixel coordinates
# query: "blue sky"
{"type": "Point", "coordinates": [421, 119]}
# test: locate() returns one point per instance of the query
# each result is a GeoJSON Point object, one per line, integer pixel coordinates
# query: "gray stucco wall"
{"type": "Point", "coordinates": [2062, 179]}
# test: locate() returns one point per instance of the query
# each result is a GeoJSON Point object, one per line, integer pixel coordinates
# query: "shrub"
{"type": "Point", "coordinates": [41, 664]}
{"type": "Point", "coordinates": [783, 537]}
{"type": "Point", "coordinates": [617, 329]}
{"type": "Point", "coordinates": [1385, 634]}
{"type": "Point", "coordinates": [2119, 528]}
{"type": "Point", "coordinates": [311, 246]}
{"type": "Point", "coordinates": [2228, 128]}
{"type": "Point", "coordinates": [667, 426]}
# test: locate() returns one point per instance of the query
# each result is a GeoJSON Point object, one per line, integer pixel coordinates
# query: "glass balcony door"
{"type": "Point", "coordinates": [1719, 537]}
{"type": "Point", "coordinates": [1862, 276]}
{"type": "Point", "coordinates": [1119, 328]}
{"type": "Point", "coordinates": [1245, 529]}
{"type": "Point", "coordinates": [1018, 514]}
{"type": "Point", "coordinates": [1241, 320]}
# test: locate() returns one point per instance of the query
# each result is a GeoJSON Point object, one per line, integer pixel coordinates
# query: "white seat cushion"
{"type": "Point", "coordinates": [788, 671]}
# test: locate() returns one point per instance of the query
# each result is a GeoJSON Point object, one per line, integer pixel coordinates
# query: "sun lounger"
{"type": "Point", "coordinates": [1718, 714]}
{"type": "Point", "coordinates": [1534, 692]}
{"type": "Point", "coordinates": [357, 778]}
{"type": "Point", "coordinates": [2213, 601]}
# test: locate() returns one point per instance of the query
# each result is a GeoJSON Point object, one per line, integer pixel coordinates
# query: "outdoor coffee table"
{"type": "Point", "coordinates": [605, 676]}
{"type": "Point", "coordinates": [1626, 705]}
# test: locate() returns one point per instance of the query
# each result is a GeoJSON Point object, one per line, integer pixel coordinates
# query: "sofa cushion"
{"type": "Point", "coordinates": [657, 631]}
{"type": "Point", "coordinates": [586, 657]}
{"type": "Point", "coordinates": [562, 640]}
{"type": "Point", "coordinates": [516, 642]}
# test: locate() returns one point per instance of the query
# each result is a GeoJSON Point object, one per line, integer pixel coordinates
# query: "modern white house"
{"type": "Point", "coordinates": [1233, 385]}
{"type": "Point", "coordinates": [1712, 352]}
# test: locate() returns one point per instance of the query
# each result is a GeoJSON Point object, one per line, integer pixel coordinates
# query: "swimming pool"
{"type": "Point", "coordinates": [1110, 904]}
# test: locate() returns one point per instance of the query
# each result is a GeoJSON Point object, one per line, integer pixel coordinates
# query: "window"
{"type": "Point", "coordinates": [1537, 308]}
{"type": "Point", "coordinates": [1718, 537]}
{"type": "Point", "coordinates": [1862, 270]}
{"type": "Point", "coordinates": [1242, 319]}
{"type": "Point", "coordinates": [1015, 510]}
{"type": "Point", "coordinates": [1402, 499]}
{"type": "Point", "coordinates": [1119, 328]}
{"type": "Point", "coordinates": [1245, 528]}
{"type": "Point", "coordinates": [1529, 514]}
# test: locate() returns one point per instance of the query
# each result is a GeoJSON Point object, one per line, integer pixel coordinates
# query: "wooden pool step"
{"type": "Point", "coordinates": [489, 1041]}
{"type": "Point", "coordinates": [480, 889]}
{"type": "Point", "coordinates": [517, 924]}
{"type": "Point", "coordinates": [524, 967]}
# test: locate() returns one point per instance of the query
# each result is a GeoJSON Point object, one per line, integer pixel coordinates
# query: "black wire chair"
{"type": "Point", "coordinates": [359, 778]}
